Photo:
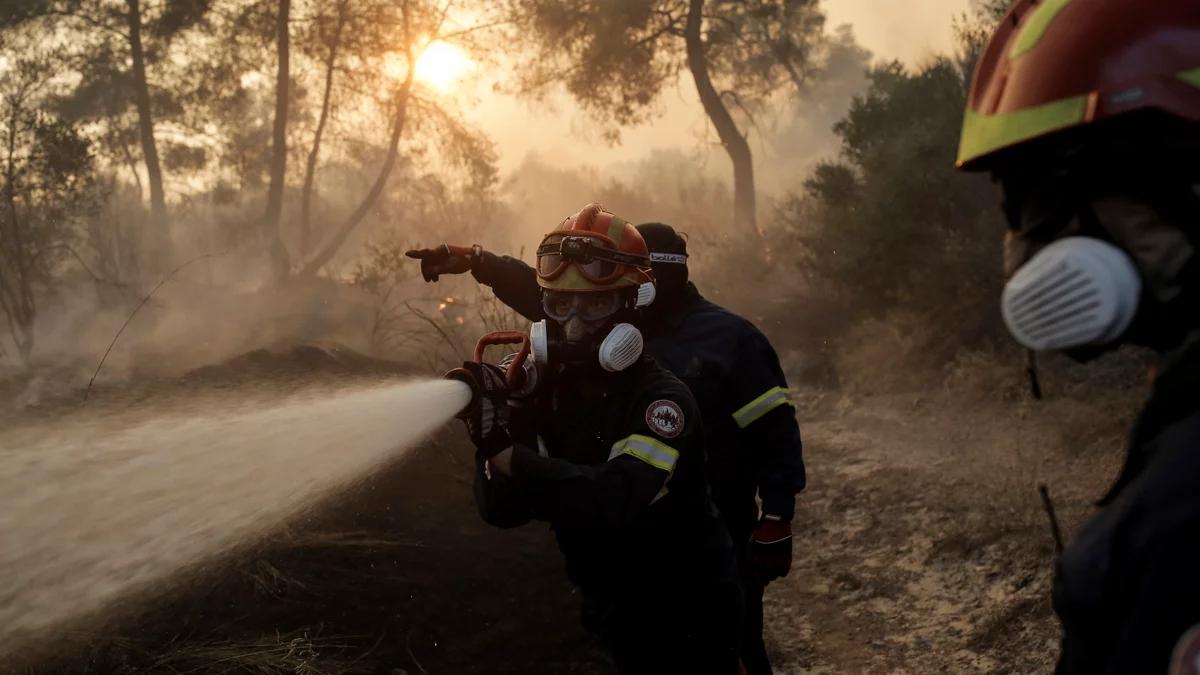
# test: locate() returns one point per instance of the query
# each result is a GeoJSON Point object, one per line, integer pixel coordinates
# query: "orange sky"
{"type": "Point", "coordinates": [904, 29]}
{"type": "Point", "coordinates": [909, 30]}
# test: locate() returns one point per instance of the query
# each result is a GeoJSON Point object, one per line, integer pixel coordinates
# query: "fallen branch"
{"type": "Point", "coordinates": [87, 392]}
{"type": "Point", "coordinates": [1048, 505]}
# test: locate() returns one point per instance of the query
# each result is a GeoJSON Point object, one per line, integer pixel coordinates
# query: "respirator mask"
{"type": "Point", "coordinates": [1115, 270]}
{"type": "Point", "coordinates": [590, 327]}
{"type": "Point", "coordinates": [1076, 291]}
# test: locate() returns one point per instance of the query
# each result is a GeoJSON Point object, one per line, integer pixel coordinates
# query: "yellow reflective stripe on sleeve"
{"type": "Point", "coordinates": [772, 399]}
{"type": "Point", "coordinates": [1192, 77]}
{"type": "Point", "coordinates": [653, 452]}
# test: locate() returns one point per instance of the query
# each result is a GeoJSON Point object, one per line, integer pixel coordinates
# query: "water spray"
{"type": "Point", "coordinates": [96, 512]}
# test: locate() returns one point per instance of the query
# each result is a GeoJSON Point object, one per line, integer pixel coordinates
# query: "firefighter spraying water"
{"type": "Point", "coordinates": [580, 428]}
{"type": "Point", "coordinates": [754, 447]}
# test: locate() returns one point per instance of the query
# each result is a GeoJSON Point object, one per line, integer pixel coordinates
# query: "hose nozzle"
{"type": "Point", "coordinates": [515, 375]}
{"type": "Point", "coordinates": [463, 375]}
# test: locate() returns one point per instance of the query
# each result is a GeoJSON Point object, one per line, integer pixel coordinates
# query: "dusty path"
{"type": "Point", "coordinates": [920, 545]}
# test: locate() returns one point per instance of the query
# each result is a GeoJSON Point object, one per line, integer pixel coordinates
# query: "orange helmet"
{"type": "Point", "coordinates": [593, 250]}
{"type": "Point", "coordinates": [1054, 65]}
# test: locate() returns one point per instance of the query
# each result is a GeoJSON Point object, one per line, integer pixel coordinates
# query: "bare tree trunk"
{"type": "Point", "coordinates": [141, 90]}
{"type": "Point", "coordinates": [330, 247]}
{"type": "Point", "coordinates": [270, 228]}
{"type": "Point", "coordinates": [16, 290]}
{"type": "Point", "coordinates": [745, 210]}
{"type": "Point", "coordinates": [310, 168]}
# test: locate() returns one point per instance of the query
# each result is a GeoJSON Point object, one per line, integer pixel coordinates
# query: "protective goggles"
{"type": "Point", "coordinates": [594, 255]}
{"type": "Point", "coordinates": [588, 306]}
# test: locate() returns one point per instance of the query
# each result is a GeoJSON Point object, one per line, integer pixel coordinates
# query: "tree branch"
{"type": "Point", "coordinates": [737, 101]}
{"type": "Point", "coordinates": [331, 247]}
{"type": "Point", "coordinates": [473, 29]}
{"type": "Point", "coordinates": [90, 20]}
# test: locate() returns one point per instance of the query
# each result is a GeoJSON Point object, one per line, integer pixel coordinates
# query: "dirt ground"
{"type": "Point", "coordinates": [921, 543]}
{"type": "Point", "coordinates": [921, 547]}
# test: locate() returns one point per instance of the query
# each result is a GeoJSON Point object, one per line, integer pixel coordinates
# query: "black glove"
{"type": "Point", "coordinates": [771, 548]}
{"type": "Point", "coordinates": [446, 259]}
{"type": "Point", "coordinates": [487, 422]}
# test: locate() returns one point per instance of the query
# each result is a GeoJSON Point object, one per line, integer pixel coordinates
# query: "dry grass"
{"type": "Point", "coordinates": [888, 355]}
{"type": "Point", "coordinates": [299, 653]}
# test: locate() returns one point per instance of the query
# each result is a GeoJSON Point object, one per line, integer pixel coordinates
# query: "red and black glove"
{"type": "Point", "coordinates": [446, 259]}
{"type": "Point", "coordinates": [487, 422]}
{"type": "Point", "coordinates": [771, 548]}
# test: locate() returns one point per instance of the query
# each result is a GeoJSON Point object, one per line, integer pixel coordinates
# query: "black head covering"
{"type": "Point", "coordinates": [671, 278]}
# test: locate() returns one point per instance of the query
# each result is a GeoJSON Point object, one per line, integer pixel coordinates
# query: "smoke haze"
{"type": "Point", "coordinates": [558, 133]}
{"type": "Point", "coordinates": [907, 30]}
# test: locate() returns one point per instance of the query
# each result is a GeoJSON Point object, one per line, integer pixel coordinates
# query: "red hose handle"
{"type": "Point", "coordinates": [516, 369]}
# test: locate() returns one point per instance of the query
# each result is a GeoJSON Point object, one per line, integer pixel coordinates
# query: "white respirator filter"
{"type": "Point", "coordinates": [621, 348]}
{"type": "Point", "coordinates": [1077, 291]}
{"type": "Point", "coordinates": [645, 295]}
{"type": "Point", "coordinates": [539, 343]}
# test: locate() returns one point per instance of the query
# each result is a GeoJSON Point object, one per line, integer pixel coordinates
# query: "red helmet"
{"type": "Point", "coordinates": [593, 250]}
{"type": "Point", "coordinates": [1061, 64]}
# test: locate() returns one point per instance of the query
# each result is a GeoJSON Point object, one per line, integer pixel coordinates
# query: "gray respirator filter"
{"type": "Point", "coordinates": [1077, 291]}
{"type": "Point", "coordinates": [620, 349]}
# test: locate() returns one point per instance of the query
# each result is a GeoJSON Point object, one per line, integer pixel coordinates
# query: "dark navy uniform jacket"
{"type": "Point", "coordinates": [1128, 588]}
{"type": "Point", "coordinates": [753, 439]}
{"type": "Point", "coordinates": [615, 463]}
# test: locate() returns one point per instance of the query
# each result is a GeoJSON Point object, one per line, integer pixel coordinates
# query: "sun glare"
{"type": "Point", "coordinates": [442, 65]}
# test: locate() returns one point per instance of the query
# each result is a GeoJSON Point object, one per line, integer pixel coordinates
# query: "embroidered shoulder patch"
{"type": "Point", "coordinates": [665, 418]}
{"type": "Point", "coordinates": [1185, 659]}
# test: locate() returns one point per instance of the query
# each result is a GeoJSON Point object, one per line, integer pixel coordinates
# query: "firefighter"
{"type": "Point", "coordinates": [1088, 115]}
{"type": "Point", "coordinates": [733, 372]}
{"type": "Point", "coordinates": [612, 456]}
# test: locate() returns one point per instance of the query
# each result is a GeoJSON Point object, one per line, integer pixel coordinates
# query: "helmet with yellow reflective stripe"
{"type": "Point", "coordinates": [1055, 65]}
{"type": "Point", "coordinates": [593, 250]}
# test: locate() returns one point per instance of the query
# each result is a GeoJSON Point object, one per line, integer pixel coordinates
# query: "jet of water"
{"type": "Point", "coordinates": [89, 516]}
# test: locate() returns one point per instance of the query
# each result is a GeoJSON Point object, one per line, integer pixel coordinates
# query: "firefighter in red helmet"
{"type": "Point", "coordinates": [754, 447]}
{"type": "Point", "coordinates": [609, 450]}
{"type": "Point", "coordinates": [1087, 112]}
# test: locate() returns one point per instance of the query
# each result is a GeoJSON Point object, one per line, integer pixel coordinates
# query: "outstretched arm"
{"type": "Point", "coordinates": [514, 283]}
